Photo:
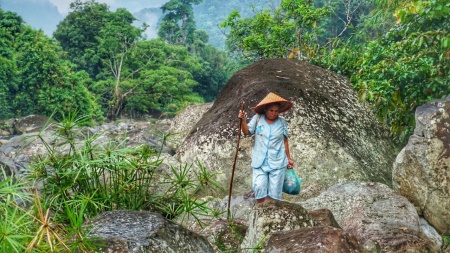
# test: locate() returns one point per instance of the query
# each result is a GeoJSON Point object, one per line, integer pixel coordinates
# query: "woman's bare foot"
{"type": "Point", "coordinates": [266, 199]}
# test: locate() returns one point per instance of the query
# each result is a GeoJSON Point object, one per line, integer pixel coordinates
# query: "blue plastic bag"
{"type": "Point", "coordinates": [292, 183]}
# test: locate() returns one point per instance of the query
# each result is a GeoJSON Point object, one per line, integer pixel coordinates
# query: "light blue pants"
{"type": "Point", "coordinates": [268, 182]}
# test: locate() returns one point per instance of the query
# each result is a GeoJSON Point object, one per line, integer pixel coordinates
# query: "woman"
{"type": "Point", "coordinates": [271, 150]}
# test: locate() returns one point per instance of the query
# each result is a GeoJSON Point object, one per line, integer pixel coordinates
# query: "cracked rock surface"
{"type": "Point", "coordinates": [421, 170]}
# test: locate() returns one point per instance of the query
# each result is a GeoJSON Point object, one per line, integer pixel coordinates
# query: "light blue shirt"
{"type": "Point", "coordinates": [269, 142]}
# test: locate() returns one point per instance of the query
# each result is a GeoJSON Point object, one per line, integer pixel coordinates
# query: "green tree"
{"type": "Point", "coordinates": [291, 28]}
{"type": "Point", "coordinates": [110, 39]}
{"type": "Point", "coordinates": [48, 83]}
{"type": "Point", "coordinates": [11, 25]}
{"type": "Point", "coordinates": [92, 35]}
{"type": "Point", "coordinates": [401, 68]}
{"type": "Point", "coordinates": [131, 74]}
{"type": "Point", "coordinates": [78, 31]}
{"type": "Point", "coordinates": [213, 73]}
{"type": "Point", "coordinates": [209, 14]}
{"type": "Point", "coordinates": [178, 26]}
{"type": "Point", "coordinates": [394, 64]}
{"type": "Point", "coordinates": [116, 40]}
{"type": "Point", "coordinates": [39, 81]}
{"type": "Point", "coordinates": [156, 76]}
{"type": "Point", "coordinates": [346, 18]}
{"type": "Point", "coordinates": [408, 66]}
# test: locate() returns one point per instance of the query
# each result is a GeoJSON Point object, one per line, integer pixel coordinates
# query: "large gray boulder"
{"type": "Point", "coordinates": [142, 232]}
{"type": "Point", "coordinates": [333, 138]}
{"type": "Point", "coordinates": [17, 153]}
{"type": "Point", "coordinates": [421, 171]}
{"type": "Point", "coordinates": [28, 124]}
{"type": "Point", "coordinates": [223, 235]}
{"type": "Point", "coordinates": [375, 214]}
{"type": "Point", "coordinates": [323, 239]}
{"type": "Point", "coordinates": [270, 217]}
{"type": "Point", "coordinates": [10, 149]}
{"type": "Point", "coordinates": [31, 123]}
{"type": "Point", "coordinates": [182, 124]}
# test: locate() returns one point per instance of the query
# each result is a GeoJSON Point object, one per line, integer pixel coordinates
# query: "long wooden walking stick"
{"type": "Point", "coordinates": [234, 165]}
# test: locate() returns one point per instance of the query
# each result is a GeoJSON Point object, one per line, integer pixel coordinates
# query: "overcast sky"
{"type": "Point", "coordinates": [132, 5]}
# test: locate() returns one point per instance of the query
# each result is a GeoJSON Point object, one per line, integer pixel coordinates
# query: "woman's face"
{"type": "Point", "coordinates": [272, 112]}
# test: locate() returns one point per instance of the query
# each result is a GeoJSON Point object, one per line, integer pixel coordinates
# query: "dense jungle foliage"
{"type": "Point", "coordinates": [396, 54]}
{"type": "Point", "coordinates": [99, 65]}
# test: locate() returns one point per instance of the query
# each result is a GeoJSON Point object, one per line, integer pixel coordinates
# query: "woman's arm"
{"type": "Point", "coordinates": [288, 153]}
{"type": "Point", "coordinates": [244, 125]}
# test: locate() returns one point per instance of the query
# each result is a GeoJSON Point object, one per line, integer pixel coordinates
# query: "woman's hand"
{"type": "Point", "coordinates": [290, 164]}
{"type": "Point", "coordinates": [244, 127]}
{"type": "Point", "coordinates": [241, 114]}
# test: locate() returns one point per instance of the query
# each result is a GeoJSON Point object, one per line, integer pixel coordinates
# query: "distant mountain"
{"type": "Point", "coordinates": [39, 14]}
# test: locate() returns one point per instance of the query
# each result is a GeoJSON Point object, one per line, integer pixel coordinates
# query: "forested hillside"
{"type": "Point", "coordinates": [210, 14]}
{"type": "Point", "coordinates": [35, 77]}
{"type": "Point", "coordinates": [100, 63]}
{"type": "Point", "coordinates": [100, 52]}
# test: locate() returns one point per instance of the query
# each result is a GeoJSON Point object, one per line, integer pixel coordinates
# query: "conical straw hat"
{"type": "Point", "coordinates": [270, 99]}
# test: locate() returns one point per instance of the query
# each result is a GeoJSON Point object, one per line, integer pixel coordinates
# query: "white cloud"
{"type": "Point", "coordinates": [62, 5]}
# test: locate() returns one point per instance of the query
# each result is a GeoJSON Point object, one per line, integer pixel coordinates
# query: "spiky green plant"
{"type": "Point", "coordinates": [14, 221]}
{"type": "Point", "coordinates": [230, 238]}
{"type": "Point", "coordinates": [446, 240]}
{"type": "Point", "coordinates": [49, 235]}
{"type": "Point", "coordinates": [81, 177]}
{"type": "Point", "coordinates": [77, 233]}
{"type": "Point", "coordinates": [110, 175]}
{"type": "Point", "coordinates": [206, 178]}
